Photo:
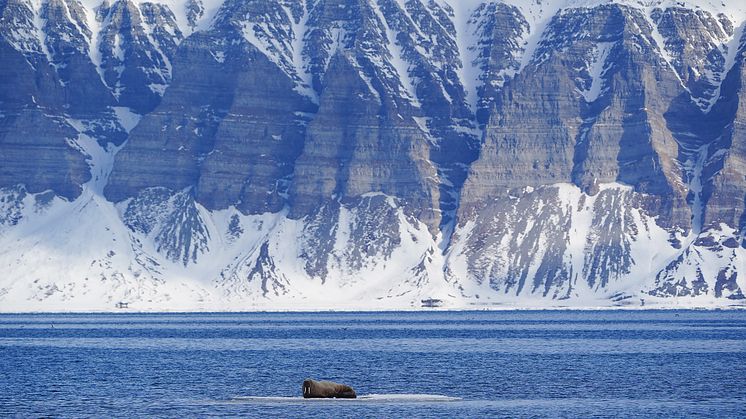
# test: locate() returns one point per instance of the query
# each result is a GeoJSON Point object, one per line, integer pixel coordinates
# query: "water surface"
{"type": "Point", "coordinates": [422, 364]}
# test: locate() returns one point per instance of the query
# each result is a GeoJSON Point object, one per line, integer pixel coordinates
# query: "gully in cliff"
{"type": "Point", "coordinates": [313, 389]}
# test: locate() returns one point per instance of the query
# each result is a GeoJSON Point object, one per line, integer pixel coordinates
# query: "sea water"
{"type": "Point", "coordinates": [402, 364]}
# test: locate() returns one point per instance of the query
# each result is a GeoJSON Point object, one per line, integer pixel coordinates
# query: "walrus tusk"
{"type": "Point", "coordinates": [313, 389]}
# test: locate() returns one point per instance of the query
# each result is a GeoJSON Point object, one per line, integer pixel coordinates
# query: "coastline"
{"type": "Point", "coordinates": [403, 310]}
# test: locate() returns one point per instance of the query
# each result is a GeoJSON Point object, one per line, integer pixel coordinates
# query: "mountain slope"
{"type": "Point", "coordinates": [186, 154]}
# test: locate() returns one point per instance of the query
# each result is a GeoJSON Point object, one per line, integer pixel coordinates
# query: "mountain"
{"type": "Point", "coordinates": [292, 154]}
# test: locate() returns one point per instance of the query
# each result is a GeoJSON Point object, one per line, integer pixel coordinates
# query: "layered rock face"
{"type": "Point", "coordinates": [309, 102]}
{"type": "Point", "coordinates": [375, 151]}
{"type": "Point", "coordinates": [724, 164]}
{"type": "Point", "coordinates": [587, 109]}
{"type": "Point", "coordinates": [69, 71]}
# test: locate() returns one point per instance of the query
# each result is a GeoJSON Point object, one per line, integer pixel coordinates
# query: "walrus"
{"type": "Point", "coordinates": [313, 389]}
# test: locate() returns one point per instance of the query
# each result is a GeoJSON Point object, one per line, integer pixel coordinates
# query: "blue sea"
{"type": "Point", "coordinates": [402, 364]}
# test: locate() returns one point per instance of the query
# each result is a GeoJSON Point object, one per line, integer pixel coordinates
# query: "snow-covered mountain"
{"type": "Point", "coordinates": [291, 154]}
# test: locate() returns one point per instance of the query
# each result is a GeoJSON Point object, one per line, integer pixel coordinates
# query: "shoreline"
{"type": "Point", "coordinates": [376, 311]}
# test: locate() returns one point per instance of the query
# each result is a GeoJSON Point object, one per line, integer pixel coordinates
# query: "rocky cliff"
{"type": "Point", "coordinates": [371, 153]}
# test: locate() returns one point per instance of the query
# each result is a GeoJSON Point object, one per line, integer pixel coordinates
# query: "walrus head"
{"type": "Point", "coordinates": [307, 387]}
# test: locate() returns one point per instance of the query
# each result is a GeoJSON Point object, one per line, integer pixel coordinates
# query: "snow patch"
{"type": "Point", "coordinates": [467, 40]}
{"type": "Point", "coordinates": [126, 117]}
{"type": "Point", "coordinates": [730, 51]}
{"type": "Point", "coordinates": [597, 68]}
{"type": "Point", "coordinates": [396, 57]}
{"type": "Point", "coordinates": [300, 63]}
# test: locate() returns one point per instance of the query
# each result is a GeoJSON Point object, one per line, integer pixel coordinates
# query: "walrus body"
{"type": "Point", "coordinates": [313, 389]}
